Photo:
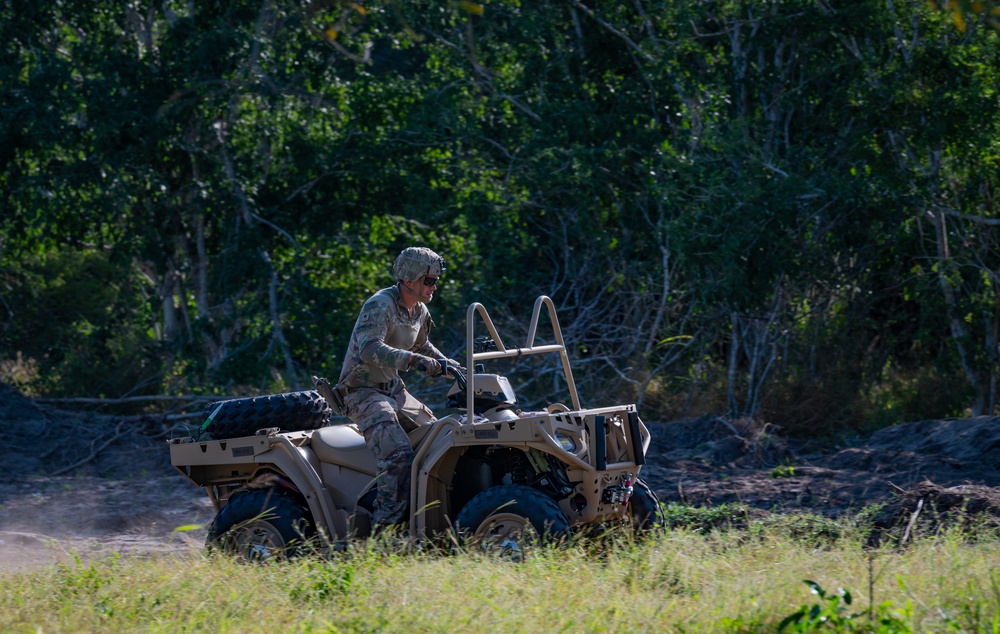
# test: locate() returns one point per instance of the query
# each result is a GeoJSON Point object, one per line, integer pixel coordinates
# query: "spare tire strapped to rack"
{"type": "Point", "coordinates": [290, 411]}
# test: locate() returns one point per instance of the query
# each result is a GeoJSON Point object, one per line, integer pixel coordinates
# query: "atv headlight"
{"type": "Point", "coordinates": [567, 442]}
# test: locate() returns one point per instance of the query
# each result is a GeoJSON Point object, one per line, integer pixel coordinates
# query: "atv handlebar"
{"type": "Point", "coordinates": [456, 373]}
{"type": "Point", "coordinates": [449, 369]}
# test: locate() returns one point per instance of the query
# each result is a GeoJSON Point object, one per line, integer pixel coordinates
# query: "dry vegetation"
{"type": "Point", "coordinates": [723, 581]}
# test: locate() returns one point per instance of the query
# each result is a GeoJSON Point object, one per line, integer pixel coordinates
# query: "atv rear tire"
{"type": "Point", "coordinates": [644, 508]}
{"type": "Point", "coordinates": [292, 411]}
{"type": "Point", "coordinates": [505, 520]}
{"type": "Point", "coordinates": [260, 525]}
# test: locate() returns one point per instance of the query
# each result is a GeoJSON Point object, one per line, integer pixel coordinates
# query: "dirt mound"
{"type": "Point", "coordinates": [928, 508]}
{"type": "Point", "coordinates": [964, 439]}
{"type": "Point", "coordinates": [47, 441]}
{"type": "Point", "coordinates": [711, 461]}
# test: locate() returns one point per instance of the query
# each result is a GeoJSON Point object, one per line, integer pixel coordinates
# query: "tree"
{"type": "Point", "coordinates": [777, 209]}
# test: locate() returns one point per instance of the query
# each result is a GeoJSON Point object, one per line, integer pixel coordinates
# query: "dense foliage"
{"type": "Point", "coordinates": [778, 209]}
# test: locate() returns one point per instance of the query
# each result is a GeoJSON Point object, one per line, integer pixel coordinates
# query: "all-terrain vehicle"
{"type": "Point", "coordinates": [279, 475]}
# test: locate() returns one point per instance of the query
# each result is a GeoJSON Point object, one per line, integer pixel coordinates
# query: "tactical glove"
{"type": "Point", "coordinates": [451, 364]}
{"type": "Point", "coordinates": [432, 367]}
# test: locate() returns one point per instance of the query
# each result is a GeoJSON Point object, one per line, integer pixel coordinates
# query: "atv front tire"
{"type": "Point", "coordinates": [505, 520]}
{"type": "Point", "coordinates": [644, 510]}
{"type": "Point", "coordinates": [291, 411]}
{"type": "Point", "coordinates": [260, 525]}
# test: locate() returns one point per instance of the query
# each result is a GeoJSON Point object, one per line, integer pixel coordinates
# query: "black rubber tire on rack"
{"type": "Point", "coordinates": [644, 509]}
{"type": "Point", "coordinates": [291, 411]}
{"type": "Point", "coordinates": [261, 525]}
{"type": "Point", "coordinates": [506, 520]}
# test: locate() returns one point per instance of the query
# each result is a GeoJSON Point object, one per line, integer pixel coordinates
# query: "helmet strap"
{"type": "Point", "coordinates": [404, 290]}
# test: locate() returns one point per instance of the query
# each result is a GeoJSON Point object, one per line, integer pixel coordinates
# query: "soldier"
{"type": "Point", "coordinates": [391, 334]}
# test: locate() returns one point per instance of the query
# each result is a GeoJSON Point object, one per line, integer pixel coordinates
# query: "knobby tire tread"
{"type": "Point", "coordinates": [541, 511]}
{"type": "Point", "coordinates": [290, 411]}
{"type": "Point", "coordinates": [282, 512]}
{"type": "Point", "coordinates": [644, 508]}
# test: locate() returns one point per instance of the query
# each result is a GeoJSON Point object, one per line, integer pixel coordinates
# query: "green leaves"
{"type": "Point", "coordinates": [252, 169]}
{"type": "Point", "coordinates": [832, 613]}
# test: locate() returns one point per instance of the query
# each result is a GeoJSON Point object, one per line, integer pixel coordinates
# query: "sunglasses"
{"type": "Point", "coordinates": [431, 281]}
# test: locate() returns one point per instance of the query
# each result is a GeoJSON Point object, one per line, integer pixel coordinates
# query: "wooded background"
{"type": "Point", "coordinates": [778, 209]}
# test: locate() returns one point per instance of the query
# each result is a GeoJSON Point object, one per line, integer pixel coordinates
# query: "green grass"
{"type": "Point", "coordinates": [724, 580]}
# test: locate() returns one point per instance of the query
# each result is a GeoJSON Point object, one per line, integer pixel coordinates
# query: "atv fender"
{"type": "Point", "coordinates": [294, 462]}
{"type": "Point", "coordinates": [432, 449]}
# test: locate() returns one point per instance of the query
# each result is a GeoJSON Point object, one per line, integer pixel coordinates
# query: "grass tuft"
{"type": "Point", "coordinates": [719, 570]}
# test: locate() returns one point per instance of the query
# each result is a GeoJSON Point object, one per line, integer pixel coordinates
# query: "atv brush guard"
{"type": "Point", "coordinates": [636, 437]}
{"type": "Point", "coordinates": [500, 351]}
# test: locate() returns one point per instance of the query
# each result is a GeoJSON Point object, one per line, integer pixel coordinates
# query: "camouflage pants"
{"type": "Point", "coordinates": [381, 416]}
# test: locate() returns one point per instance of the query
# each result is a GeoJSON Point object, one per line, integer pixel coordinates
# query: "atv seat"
{"type": "Point", "coordinates": [343, 445]}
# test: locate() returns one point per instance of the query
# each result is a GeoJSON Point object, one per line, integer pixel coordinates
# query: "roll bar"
{"type": "Point", "coordinates": [503, 351]}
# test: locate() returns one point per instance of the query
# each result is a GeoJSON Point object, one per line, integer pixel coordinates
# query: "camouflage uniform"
{"type": "Point", "coordinates": [384, 341]}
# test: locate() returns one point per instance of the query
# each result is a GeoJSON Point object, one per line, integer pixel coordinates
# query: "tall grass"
{"type": "Point", "coordinates": [677, 581]}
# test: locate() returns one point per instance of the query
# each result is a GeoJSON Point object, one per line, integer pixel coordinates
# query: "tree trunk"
{"type": "Point", "coordinates": [959, 333]}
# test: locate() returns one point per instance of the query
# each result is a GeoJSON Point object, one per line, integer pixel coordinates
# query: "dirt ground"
{"type": "Point", "coordinates": [81, 483]}
{"type": "Point", "coordinates": [711, 461]}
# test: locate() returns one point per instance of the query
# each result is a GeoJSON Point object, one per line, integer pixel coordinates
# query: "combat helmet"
{"type": "Point", "coordinates": [416, 262]}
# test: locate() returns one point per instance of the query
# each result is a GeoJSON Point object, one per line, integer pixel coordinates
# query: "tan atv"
{"type": "Point", "coordinates": [278, 477]}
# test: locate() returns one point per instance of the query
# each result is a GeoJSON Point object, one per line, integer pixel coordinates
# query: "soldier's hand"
{"type": "Point", "coordinates": [433, 367]}
{"type": "Point", "coordinates": [450, 367]}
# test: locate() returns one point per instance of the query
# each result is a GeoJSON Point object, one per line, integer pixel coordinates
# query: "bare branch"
{"type": "Point", "coordinates": [990, 222]}
{"type": "Point", "coordinates": [93, 454]}
{"type": "Point", "coordinates": [625, 38]}
{"type": "Point", "coordinates": [276, 228]}
{"type": "Point", "coordinates": [128, 399]}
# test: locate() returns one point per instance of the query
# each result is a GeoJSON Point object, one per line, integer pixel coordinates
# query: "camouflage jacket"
{"type": "Point", "coordinates": [384, 340]}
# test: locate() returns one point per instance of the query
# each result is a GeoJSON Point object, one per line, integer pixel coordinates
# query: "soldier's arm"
{"type": "Point", "coordinates": [428, 350]}
{"type": "Point", "coordinates": [423, 344]}
{"type": "Point", "coordinates": [373, 325]}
